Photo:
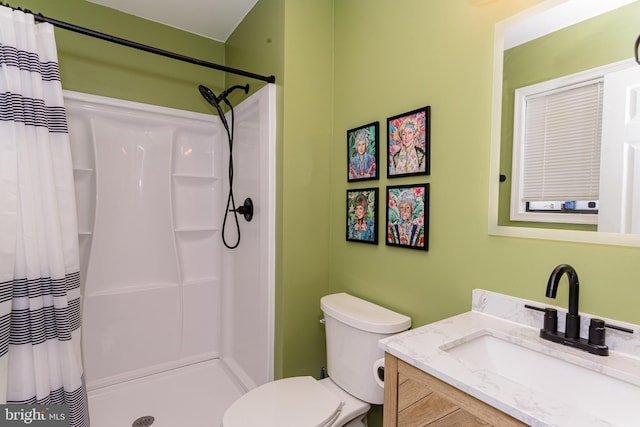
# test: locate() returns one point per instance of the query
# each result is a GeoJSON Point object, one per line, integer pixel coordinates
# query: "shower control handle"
{"type": "Point", "coordinates": [246, 209]}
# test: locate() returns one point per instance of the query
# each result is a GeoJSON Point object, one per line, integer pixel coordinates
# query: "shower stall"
{"type": "Point", "coordinates": [175, 325]}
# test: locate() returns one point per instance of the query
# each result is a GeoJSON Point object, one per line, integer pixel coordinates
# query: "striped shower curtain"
{"type": "Point", "coordinates": [40, 360]}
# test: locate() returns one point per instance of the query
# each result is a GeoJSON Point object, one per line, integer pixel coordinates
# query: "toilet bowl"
{"type": "Point", "coordinates": [353, 328]}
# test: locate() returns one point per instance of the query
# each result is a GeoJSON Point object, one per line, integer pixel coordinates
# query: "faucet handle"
{"type": "Point", "coordinates": [596, 332]}
{"type": "Point", "coordinates": [550, 320]}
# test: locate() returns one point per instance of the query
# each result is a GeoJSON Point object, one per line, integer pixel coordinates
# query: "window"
{"type": "Point", "coordinates": [556, 153]}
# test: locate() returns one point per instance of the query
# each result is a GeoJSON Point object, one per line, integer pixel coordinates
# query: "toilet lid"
{"type": "Point", "coordinates": [290, 402]}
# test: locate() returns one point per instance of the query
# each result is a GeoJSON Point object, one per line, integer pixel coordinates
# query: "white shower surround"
{"type": "Point", "coordinates": [160, 291]}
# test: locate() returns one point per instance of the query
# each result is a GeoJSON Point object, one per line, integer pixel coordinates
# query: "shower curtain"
{"type": "Point", "coordinates": [40, 359]}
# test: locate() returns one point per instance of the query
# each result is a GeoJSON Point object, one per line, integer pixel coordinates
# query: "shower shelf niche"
{"type": "Point", "coordinates": [84, 184]}
{"type": "Point", "coordinates": [193, 199]}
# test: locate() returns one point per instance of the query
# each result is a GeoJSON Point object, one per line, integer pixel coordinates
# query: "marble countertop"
{"type": "Point", "coordinates": [506, 317]}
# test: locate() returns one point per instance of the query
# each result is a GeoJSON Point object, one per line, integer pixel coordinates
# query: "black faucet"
{"type": "Point", "coordinates": [572, 329]}
{"type": "Point", "coordinates": [571, 337]}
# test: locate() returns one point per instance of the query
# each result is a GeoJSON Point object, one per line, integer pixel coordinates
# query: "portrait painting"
{"type": "Point", "coordinates": [408, 216]}
{"type": "Point", "coordinates": [408, 143]}
{"type": "Point", "coordinates": [362, 215]}
{"type": "Point", "coordinates": [362, 152]}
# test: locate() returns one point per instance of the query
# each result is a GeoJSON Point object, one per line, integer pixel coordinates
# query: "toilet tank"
{"type": "Point", "coordinates": [353, 327]}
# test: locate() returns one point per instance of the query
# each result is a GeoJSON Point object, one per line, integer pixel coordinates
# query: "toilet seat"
{"type": "Point", "coordinates": [290, 402]}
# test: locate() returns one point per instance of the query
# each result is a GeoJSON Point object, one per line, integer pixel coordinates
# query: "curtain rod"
{"type": "Point", "coordinates": [71, 27]}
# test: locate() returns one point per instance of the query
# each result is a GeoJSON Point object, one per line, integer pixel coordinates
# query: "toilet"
{"type": "Point", "coordinates": [353, 327]}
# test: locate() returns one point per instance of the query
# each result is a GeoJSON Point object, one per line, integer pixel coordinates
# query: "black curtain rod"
{"type": "Point", "coordinates": [71, 27]}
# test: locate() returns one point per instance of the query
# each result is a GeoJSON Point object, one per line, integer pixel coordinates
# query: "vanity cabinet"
{"type": "Point", "coordinates": [413, 398]}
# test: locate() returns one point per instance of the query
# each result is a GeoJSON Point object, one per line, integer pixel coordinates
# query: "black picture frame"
{"type": "Point", "coordinates": [363, 165]}
{"type": "Point", "coordinates": [362, 225]}
{"type": "Point", "coordinates": [412, 157]}
{"type": "Point", "coordinates": [412, 231]}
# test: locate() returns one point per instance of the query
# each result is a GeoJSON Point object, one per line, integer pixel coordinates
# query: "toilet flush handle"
{"type": "Point", "coordinates": [323, 321]}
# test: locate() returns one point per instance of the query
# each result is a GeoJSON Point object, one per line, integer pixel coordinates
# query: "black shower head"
{"type": "Point", "coordinates": [208, 95]}
{"type": "Point", "coordinates": [214, 101]}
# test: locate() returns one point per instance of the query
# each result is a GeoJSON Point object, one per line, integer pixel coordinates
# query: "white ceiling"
{"type": "Point", "coordinates": [214, 19]}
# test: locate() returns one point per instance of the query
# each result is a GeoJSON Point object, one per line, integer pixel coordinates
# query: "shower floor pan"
{"type": "Point", "coordinates": [194, 395]}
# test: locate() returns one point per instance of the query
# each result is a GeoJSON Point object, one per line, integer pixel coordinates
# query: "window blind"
{"type": "Point", "coordinates": [562, 144]}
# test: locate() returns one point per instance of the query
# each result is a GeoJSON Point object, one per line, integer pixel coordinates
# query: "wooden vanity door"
{"type": "Point", "coordinates": [413, 398]}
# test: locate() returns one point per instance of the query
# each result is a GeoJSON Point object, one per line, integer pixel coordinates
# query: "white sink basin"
{"type": "Point", "coordinates": [601, 394]}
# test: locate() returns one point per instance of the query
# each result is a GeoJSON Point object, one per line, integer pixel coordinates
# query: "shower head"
{"type": "Point", "coordinates": [208, 95]}
{"type": "Point", "coordinates": [212, 99]}
{"type": "Point", "coordinates": [216, 100]}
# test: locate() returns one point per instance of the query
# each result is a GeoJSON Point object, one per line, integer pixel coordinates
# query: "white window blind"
{"type": "Point", "coordinates": [561, 144]}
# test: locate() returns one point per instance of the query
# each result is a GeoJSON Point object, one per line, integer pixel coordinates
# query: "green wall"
{"type": "Point", "coordinates": [257, 45]}
{"type": "Point", "coordinates": [99, 67]}
{"type": "Point", "coordinates": [308, 132]}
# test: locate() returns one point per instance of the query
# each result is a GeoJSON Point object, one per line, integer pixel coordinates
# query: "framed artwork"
{"type": "Point", "coordinates": [408, 143]}
{"type": "Point", "coordinates": [408, 216]}
{"type": "Point", "coordinates": [362, 152]}
{"type": "Point", "coordinates": [362, 215]}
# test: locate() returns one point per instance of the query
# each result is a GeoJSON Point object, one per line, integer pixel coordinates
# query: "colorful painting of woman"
{"type": "Point", "coordinates": [407, 216]}
{"type": "Point", "coordinates": [363, 152]}
{"type": "Point", "coordinates": [408, 143]}
{"type": "Point", "coordinates": [361, 215]}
